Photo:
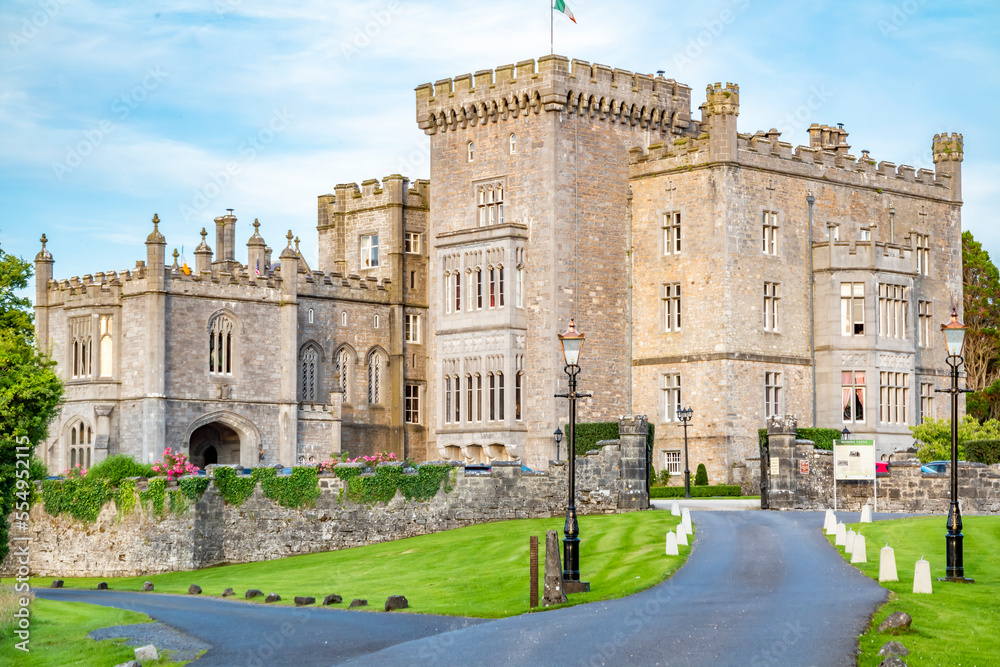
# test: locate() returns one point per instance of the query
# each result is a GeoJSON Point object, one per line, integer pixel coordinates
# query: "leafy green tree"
{"type": "Point", "coordinates": [981, 303]}
{"type": "Point", "coordinates": [30, 390]}
{"type": "Point", "coordinates": [934, 436]}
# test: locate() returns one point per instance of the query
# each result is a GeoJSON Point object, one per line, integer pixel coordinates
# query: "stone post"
{"type": "Point", "coordinates": [43, 274]}
{"type": "Point", "coordinates": [781, 444]}
{"type": "Point", "coordinates": [255, 254]}
{"type": "Point", "coordinates": [396, 187]}
{"type": "Point", "coordinates": [102, 437]}
{"type": "Point", "coordinates": [336, 403]}
{"type": "Point", "coordinates": [633, 493]}
{"type": "Point", "coordinates": [287, 401]}
{"type": "Point", "coordinates": [554, 592]}
{"type": "Point", "coordinates": [203, 256]}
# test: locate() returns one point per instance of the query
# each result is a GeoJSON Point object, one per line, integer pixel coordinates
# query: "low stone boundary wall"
{"type": "Point", "coordinates": [904, 489]}
{"type": "Point", "coordinates": [212, 532]}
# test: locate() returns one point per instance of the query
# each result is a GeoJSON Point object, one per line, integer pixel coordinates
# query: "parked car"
{"type": "Point", "coordinates": [935, 467]}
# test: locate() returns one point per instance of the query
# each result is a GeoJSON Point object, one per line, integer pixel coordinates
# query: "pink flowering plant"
{"type": "Point", "coordinates": [76, 472]}
{"type": "Point", "coordinates": [369, 461]}
{"type": "Point", "coordinates": [174, 464]}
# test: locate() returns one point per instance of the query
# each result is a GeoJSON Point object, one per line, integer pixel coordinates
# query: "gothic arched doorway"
{"type": "Point", "coordinates": [214, 443]}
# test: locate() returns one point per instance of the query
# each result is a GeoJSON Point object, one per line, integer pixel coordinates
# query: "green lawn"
{"type": "Point", "coordinates": [59, 637]}
{"type": "Point", "coordinates": [957, 624]}
{"type": "Point", "coordinates": [476, 571]}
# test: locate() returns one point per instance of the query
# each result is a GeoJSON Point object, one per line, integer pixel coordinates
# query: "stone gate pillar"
{"type": "Point", "coordinates": [781, 445]}
{"type": "Point", "coordinates": [634, 491]}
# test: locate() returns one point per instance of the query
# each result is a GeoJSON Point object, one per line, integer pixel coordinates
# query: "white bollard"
{"type": "Point", "coordinates": [849, 545]}
{"type": "Point", "coordinates": [682, 537]}
{"type": "Point", "coordinates": [859, 554]}
{"type": "Point", "coordinates": [841, 535]}
{"type": "Point", "coordinates": [672, 544]}
{"type": "Point", "coordinates": [866, 514]}
{"type": "Point", "coordinates": [887, 564]}
{"type": "Point", "coordinates": [675, 509]}
{"type": "Point", "coordinates": [922, 577]}
{"type": "Point", "coordinates": [829, 523]}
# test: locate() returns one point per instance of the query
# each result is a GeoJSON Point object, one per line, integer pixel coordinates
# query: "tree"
{"type": "Point", "coordinates": [701, 476]}
{"type": "Point", "coordinates": [981, 284]}
{"type": "Point", "coordinates": [934, 436]}
{"type": "Point", "coordinates": [30, 390]}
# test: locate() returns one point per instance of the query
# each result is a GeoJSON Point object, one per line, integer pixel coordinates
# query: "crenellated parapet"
{"type": "Point", "coordinates": [722, 100]}
{"type": "Point", "coordinates": [373, 194]}
{"type": "Point", "coordinates": [550, 84]}
{"type": "Point", "coordinates": [948, 147]}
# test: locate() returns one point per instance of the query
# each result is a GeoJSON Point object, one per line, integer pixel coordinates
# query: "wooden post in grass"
{"type": "Point", "coordinates": [533, 567]}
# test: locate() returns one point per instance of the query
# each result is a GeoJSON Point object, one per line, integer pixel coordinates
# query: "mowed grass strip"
{"type": "Point", "coordinates": [479, 571]}
{"type": "Point", "coordinates": [955, 625]}
{"type": "Point", "coordinates": [59, 637]}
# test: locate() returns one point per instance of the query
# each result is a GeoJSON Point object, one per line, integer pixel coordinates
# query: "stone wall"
{"type": "Point", "coordinates": [904, 489]}
{"type": "Point", "coordinates": [212, 532]}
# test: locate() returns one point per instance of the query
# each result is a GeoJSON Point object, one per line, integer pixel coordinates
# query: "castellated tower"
{"type": "Point", "coordinates": [529, 198]}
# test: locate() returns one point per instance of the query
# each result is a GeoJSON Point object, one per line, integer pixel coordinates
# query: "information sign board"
{"type": "Point", "coordinates": [853, 459]}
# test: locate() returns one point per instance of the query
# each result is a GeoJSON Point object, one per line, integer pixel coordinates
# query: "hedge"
{"type": "Point", "coordinates": [822, 437]}
{"type": "Point", "coordinates": [696, 491]}
{"type": "Point", "coordinates": [983, 451]}
{"type": "Point", "coordinates": [588, 434]}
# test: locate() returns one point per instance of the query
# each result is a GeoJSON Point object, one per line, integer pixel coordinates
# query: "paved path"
{"type": "Point", "coordinates": [760, 588]}
{"type": "Point", "coordinates": [708, 504]}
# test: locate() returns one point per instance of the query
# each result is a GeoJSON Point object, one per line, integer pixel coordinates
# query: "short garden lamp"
{"type": "Point", "coordinates": [954, 338]}
{"type": "Point", "coordinates": [845, 434]}
{"type": "Point", "coordinates": [558, 437]}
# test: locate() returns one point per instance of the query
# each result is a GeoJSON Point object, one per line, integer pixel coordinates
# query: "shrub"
{"type": "Point", "coordinates": [983, 451]}
{"type": "Point", "coordinates": [588, 434]}
{"type": "Point", "coordinates": [37, 470]}
{"type": "Point", "coordinates": [822, 437]}
{"type": "Point", "coordinates": [696, 491]}
{"type": "Point", "coordinates": [701, 476]}
{"type": "Point", "coordinates": [663, 479]}
{"type": "Point", "coordinates": [175, 464]}
{"type": "Point", "coordinates": [934, 436]}
{"type": "Point", "coordinates": [119, 467]}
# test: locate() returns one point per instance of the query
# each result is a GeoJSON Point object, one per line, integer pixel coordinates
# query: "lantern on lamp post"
{"type": "Point", "coordinates": [558, 438]}
{"type": "Point", "coordinates": [570, 342]}
{"type": "Point", "coordinates": [954, 338]}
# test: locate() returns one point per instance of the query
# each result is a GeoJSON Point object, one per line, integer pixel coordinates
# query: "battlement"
{"type": "Point", "coordinates": [551, 84]}
{"type": "Point", "coordinates": [722, 100]}
{"type": "Point", "coordinates": [948, 147]}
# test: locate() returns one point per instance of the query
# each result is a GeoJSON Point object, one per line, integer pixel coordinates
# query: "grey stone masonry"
{"type": "Point", "coordinates": [213, 532]}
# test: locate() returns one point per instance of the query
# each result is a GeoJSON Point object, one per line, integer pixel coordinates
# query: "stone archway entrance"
{"type": "Point", "coordinates": [214, 443]}
{"type": "Point", "coordinates": [225, 438]}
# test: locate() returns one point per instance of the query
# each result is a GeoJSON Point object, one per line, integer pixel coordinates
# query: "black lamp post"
{"type": "Point", "coordinates": [558, 436]}
{"type": "Point", "coordinates": [845, 434]}
{"type": "Point", "coordinates": [571, 341]}
{"type": "Point", "coordinates": [684, 414]}
{"type": "Point", "coordinates": [954, 336]}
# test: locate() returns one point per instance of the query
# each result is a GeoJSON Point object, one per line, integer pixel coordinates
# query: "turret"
{"type": "Point", "coordinates": [721, 108]}
{"type": "Point", "coordinates": [289, 271]}
{"type": "Point", "coordinates": [43, 274]}
{"type": "Point", "coordinates": [948, 154]}
{"type": "Point", "coordinates": [256, 253]}
{"type": "Point", "coordinates": [156, 248]}
{"type": "Point", "coordinates": [203, 256]}
{"type": "Point", "coordinates": [225, 241]}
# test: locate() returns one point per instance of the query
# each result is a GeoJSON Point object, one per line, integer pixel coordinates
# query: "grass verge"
{"type": "Point", "coordinates": [59, 637]}
{"type": "Point", "coordinates": [957, 624]}
{"type": "Point", "coordinates": [479, 571]}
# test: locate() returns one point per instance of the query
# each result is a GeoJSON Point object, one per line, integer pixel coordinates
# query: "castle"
{"type": "Point", "coordinates": [724, 271]}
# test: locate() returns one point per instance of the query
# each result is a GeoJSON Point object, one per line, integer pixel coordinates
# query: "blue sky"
{"type": "Point", "coordinates": [113, 111]}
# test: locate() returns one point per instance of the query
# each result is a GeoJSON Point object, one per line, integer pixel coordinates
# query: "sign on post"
{"type": "Point", "coordinates": [853, 459]}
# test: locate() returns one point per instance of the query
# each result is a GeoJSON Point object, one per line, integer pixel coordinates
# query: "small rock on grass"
{"type": "Point", "coordinates": [893, 648]}
{"type": "Point", "coordinates": [252, 593]}
{"type": "Point", "coordinates": [358, 602]}
{"type": "Point", "coordinates": [897, 621]}
{"type": "Point", "coordinates": [229, 591]}
{"type": "Point", "coordinates": [272, 597]}
{"type": "Point", "coordinates": [302, 601]}
{"type": "Point", "coordinates": [103, 586]}
{"type": "Point", "coordinates": [194, 589]}
{"type": "Point", "coordinates": [396, 602]}
{"type": "Point", "coordinates": [56, 583]}
{"type": "Point", "coordinates": [333, 598]}
{"type": "Point", "coordinates": [147, 652]}
{"type": "Point", "coordinates": [892, 661]}
{"type": "Point", "coordinates": [147, 586]}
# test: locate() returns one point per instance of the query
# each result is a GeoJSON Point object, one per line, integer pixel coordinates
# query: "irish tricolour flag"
{"type": "Point", "coordinates": [561, 7]}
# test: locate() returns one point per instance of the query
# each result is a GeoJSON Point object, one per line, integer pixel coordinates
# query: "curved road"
{"type": "Point", "coordinates": [760, 588]}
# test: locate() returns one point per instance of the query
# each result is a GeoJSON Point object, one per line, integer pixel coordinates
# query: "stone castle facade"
{"type": "Point", "coordinates": [710, 268]}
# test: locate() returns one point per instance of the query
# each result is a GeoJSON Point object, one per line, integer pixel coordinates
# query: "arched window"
{"type": "Point", "coordinates": [343, 319]}
{"type": "Point", "coordinates": [309, 374]}
{"type": "Point", "coordinates": [472, 151]}
{"type": "Point", "coordinates": [447, 292]}
{"type": "Point", "coordinates": [375, 321]}
{"type": "Point", "coordinates": [500, 396]}
{"type": "Point", "coordinates": [81, 436]}
{"type": "Point", "coordinates": [468, 397]}
{"type": "Point", "coordinates": [458, 400]}
{"type": "Point", "coordinates": [107, 349]}
{"type": "Point", "coordinates": [512, 140]}
{"type": "Point", "coordinates": [82, 346]}
{"type": "Point", "coordinates": [479, 397]}
{"type": "Point", "coordinates": [518, 394]}
{"type": "Point", "coordinates": [374, 378]}
{"type": "Point", "coordinates": [458, 291]}
{"type": "Point", "coordinates": [221, 346]}
{"type": "Point", "coordinates": [492, 380]}
{"type": "Point", "coordinates": [311, 315]}
{"type": "Point", "coordinates": [447, 399]}
{"type": "Point", "coordinates": [344, 373]}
